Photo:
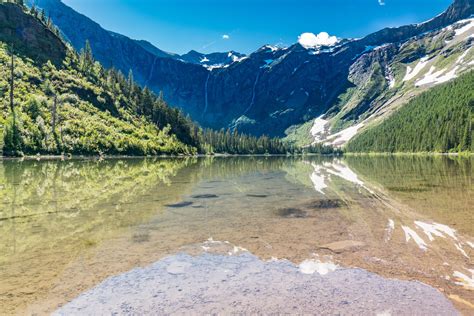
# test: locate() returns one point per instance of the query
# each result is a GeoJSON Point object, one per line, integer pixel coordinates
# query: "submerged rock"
{"type": "Point", "coordinates": [180, 204]}
{"type": "Point", "coordinates": [141, 237]}
{"type": "Point", "coordinates": [291, 212]}
{"type": "Point", "coordinates": [343, 246]}
{"type": "Point", "coordinates": [326, 203]}
{"type": "Point", "coordinates": [204, 196]}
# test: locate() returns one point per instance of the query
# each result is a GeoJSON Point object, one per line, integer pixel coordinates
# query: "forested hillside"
{"type": "Point", "coordinates": [439, 120]}
{"type": "Point", "coordinates": [73, 104]}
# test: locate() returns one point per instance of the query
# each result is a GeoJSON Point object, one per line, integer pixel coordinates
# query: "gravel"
{"type": "Point", "coordinates": [243, 284]}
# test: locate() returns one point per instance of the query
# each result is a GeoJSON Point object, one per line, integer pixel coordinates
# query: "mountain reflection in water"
{"type": "Point", "coordinates": [65, 226]}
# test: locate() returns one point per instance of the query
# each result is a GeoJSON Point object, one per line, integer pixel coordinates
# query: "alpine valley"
{"type": "Point", "coordinates": [332, 176]}
{"type": "Point", "coordinates": [326, 92]}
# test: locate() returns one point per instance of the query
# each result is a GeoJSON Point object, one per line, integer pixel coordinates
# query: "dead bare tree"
{"type": "Point", "coordinates": [54, 113]}
{"type": "Point", "coordinates": [12, 81]}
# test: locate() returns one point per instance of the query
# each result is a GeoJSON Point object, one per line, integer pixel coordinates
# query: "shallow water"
{"type": "Point", "coordinates": [65, 226]}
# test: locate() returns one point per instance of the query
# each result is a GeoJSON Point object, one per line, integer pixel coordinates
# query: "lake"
{"type": "Point", "coordinates": [66, 226]}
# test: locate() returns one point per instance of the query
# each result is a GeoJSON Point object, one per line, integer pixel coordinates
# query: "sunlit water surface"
{"type": "Point", "coordinates": [65, 226]}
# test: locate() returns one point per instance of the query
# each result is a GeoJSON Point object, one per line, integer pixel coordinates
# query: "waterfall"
{"type": "Point", "coordinates": [206, 93]}
{"type": "Point", "coordinates": [152, 69]}
{"type": "Point", "coordinates": [253, 93]}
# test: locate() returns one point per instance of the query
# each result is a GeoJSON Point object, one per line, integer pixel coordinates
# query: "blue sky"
{"type": "Point", "coordinates": [245, 25]}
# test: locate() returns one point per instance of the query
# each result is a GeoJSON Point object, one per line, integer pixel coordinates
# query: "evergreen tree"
{"type": "Point", "coordinates": [43, 16]}
{"type": "Point", "coordinates": [86, 58]}
{"type": "Point", "coordinates": [438, 120]}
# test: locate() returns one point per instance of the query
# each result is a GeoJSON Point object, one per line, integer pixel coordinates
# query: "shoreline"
{"type": "Point", "coordinates": [102, 157]}
{"type": "Point", "coordinates": [422, 154]}
{"type": "Point", "coordinates": [350, 154]}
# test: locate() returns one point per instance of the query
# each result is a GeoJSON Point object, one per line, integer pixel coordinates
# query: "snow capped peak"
{"type": "Point", "coordinates": [238, 59]}
{"type": "Point", "coordinates": [311, 40]}
{"type": "Point", "coordinates": [271, 48]}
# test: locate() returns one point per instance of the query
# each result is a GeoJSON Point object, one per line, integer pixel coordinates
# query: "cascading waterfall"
{"type": "Point", "coordinates": [206, 98]}
{"type": "Point", "coordinates": [253, 93]}
{"type": "Point", "coordinates": [152, 69]}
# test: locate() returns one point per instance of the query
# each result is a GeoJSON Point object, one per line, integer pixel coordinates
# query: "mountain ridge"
{"type": "Point", "coordinates": [274, 90]}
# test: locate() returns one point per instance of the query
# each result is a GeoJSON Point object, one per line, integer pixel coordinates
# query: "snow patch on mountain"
{"type": "Point", "coordinates": [237, 59]}
{"type": "Point", "coordinates": [319, 127]}
{"type": "Point", "coordinates": [411, 73]}
{"type": "Point", "coordinates": [465, 28]}
{"type": "Point", "coordinates": [463, 55]}
{"type": "Point", "coordinates": [216, 66]}
{"type": "Point", "coordinates": [437, 77]}
{"type": "Point", "coordinates": [272, 48]}
{"type": "Point", "coordinates": [341, 138]}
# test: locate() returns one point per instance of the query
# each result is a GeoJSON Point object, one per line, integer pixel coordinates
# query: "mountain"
{"type": "Point", "coordinates": [213, 60]}
{"type": "Point", "coordinates": [387, 78]}
{"type": "Point", "coordinates": [119, 51]}
{"type": "Point", "coordinates": [324, 93]}
{"type": "Point", "coordinates": [17, 28]}
{"type": "Point", "coordinates": [60, 101]}
{"type": "Point", "coordinates": [111, 49]}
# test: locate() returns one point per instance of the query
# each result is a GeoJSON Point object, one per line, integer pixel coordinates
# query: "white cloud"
{"type": "Point", "coordinates": [225, 37]}
{"type": "Point", "coordinates": [381, 2]}
{"type": "Point", "coordinates": [310, 40]}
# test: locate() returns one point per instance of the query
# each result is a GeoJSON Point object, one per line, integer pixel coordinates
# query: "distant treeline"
{"type": "Point", "coordinates": [226, 141]}
{"type": "Point", "coordinates": [438, 120]}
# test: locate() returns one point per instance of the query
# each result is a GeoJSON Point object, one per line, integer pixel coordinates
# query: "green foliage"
{"type": "Point", "coordinates": [439, 120]}
{"type": "Point", "coordinates": [12, 139]}
{"type": "Point", "coordinates": [300, 135]}
{"type": "Point", "coordinates": [94, 113]}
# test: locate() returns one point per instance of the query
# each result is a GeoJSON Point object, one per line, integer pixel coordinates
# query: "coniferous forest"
{"type": "Point", "coordinates": [439, 120]}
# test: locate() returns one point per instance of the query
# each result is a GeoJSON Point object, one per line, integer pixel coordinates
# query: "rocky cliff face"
{"type": "Point", "coordinates": [28, 36]}
{"type": "Point", "coordinates": [111, 49]}
{"type": "Point", "coordinates": [273, 88]}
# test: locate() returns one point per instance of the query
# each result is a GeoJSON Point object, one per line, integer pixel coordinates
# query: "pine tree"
{"type": "Point", "coordinates": [86, 59]}
{"type": "Point", "coordinates": [43, 16]}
